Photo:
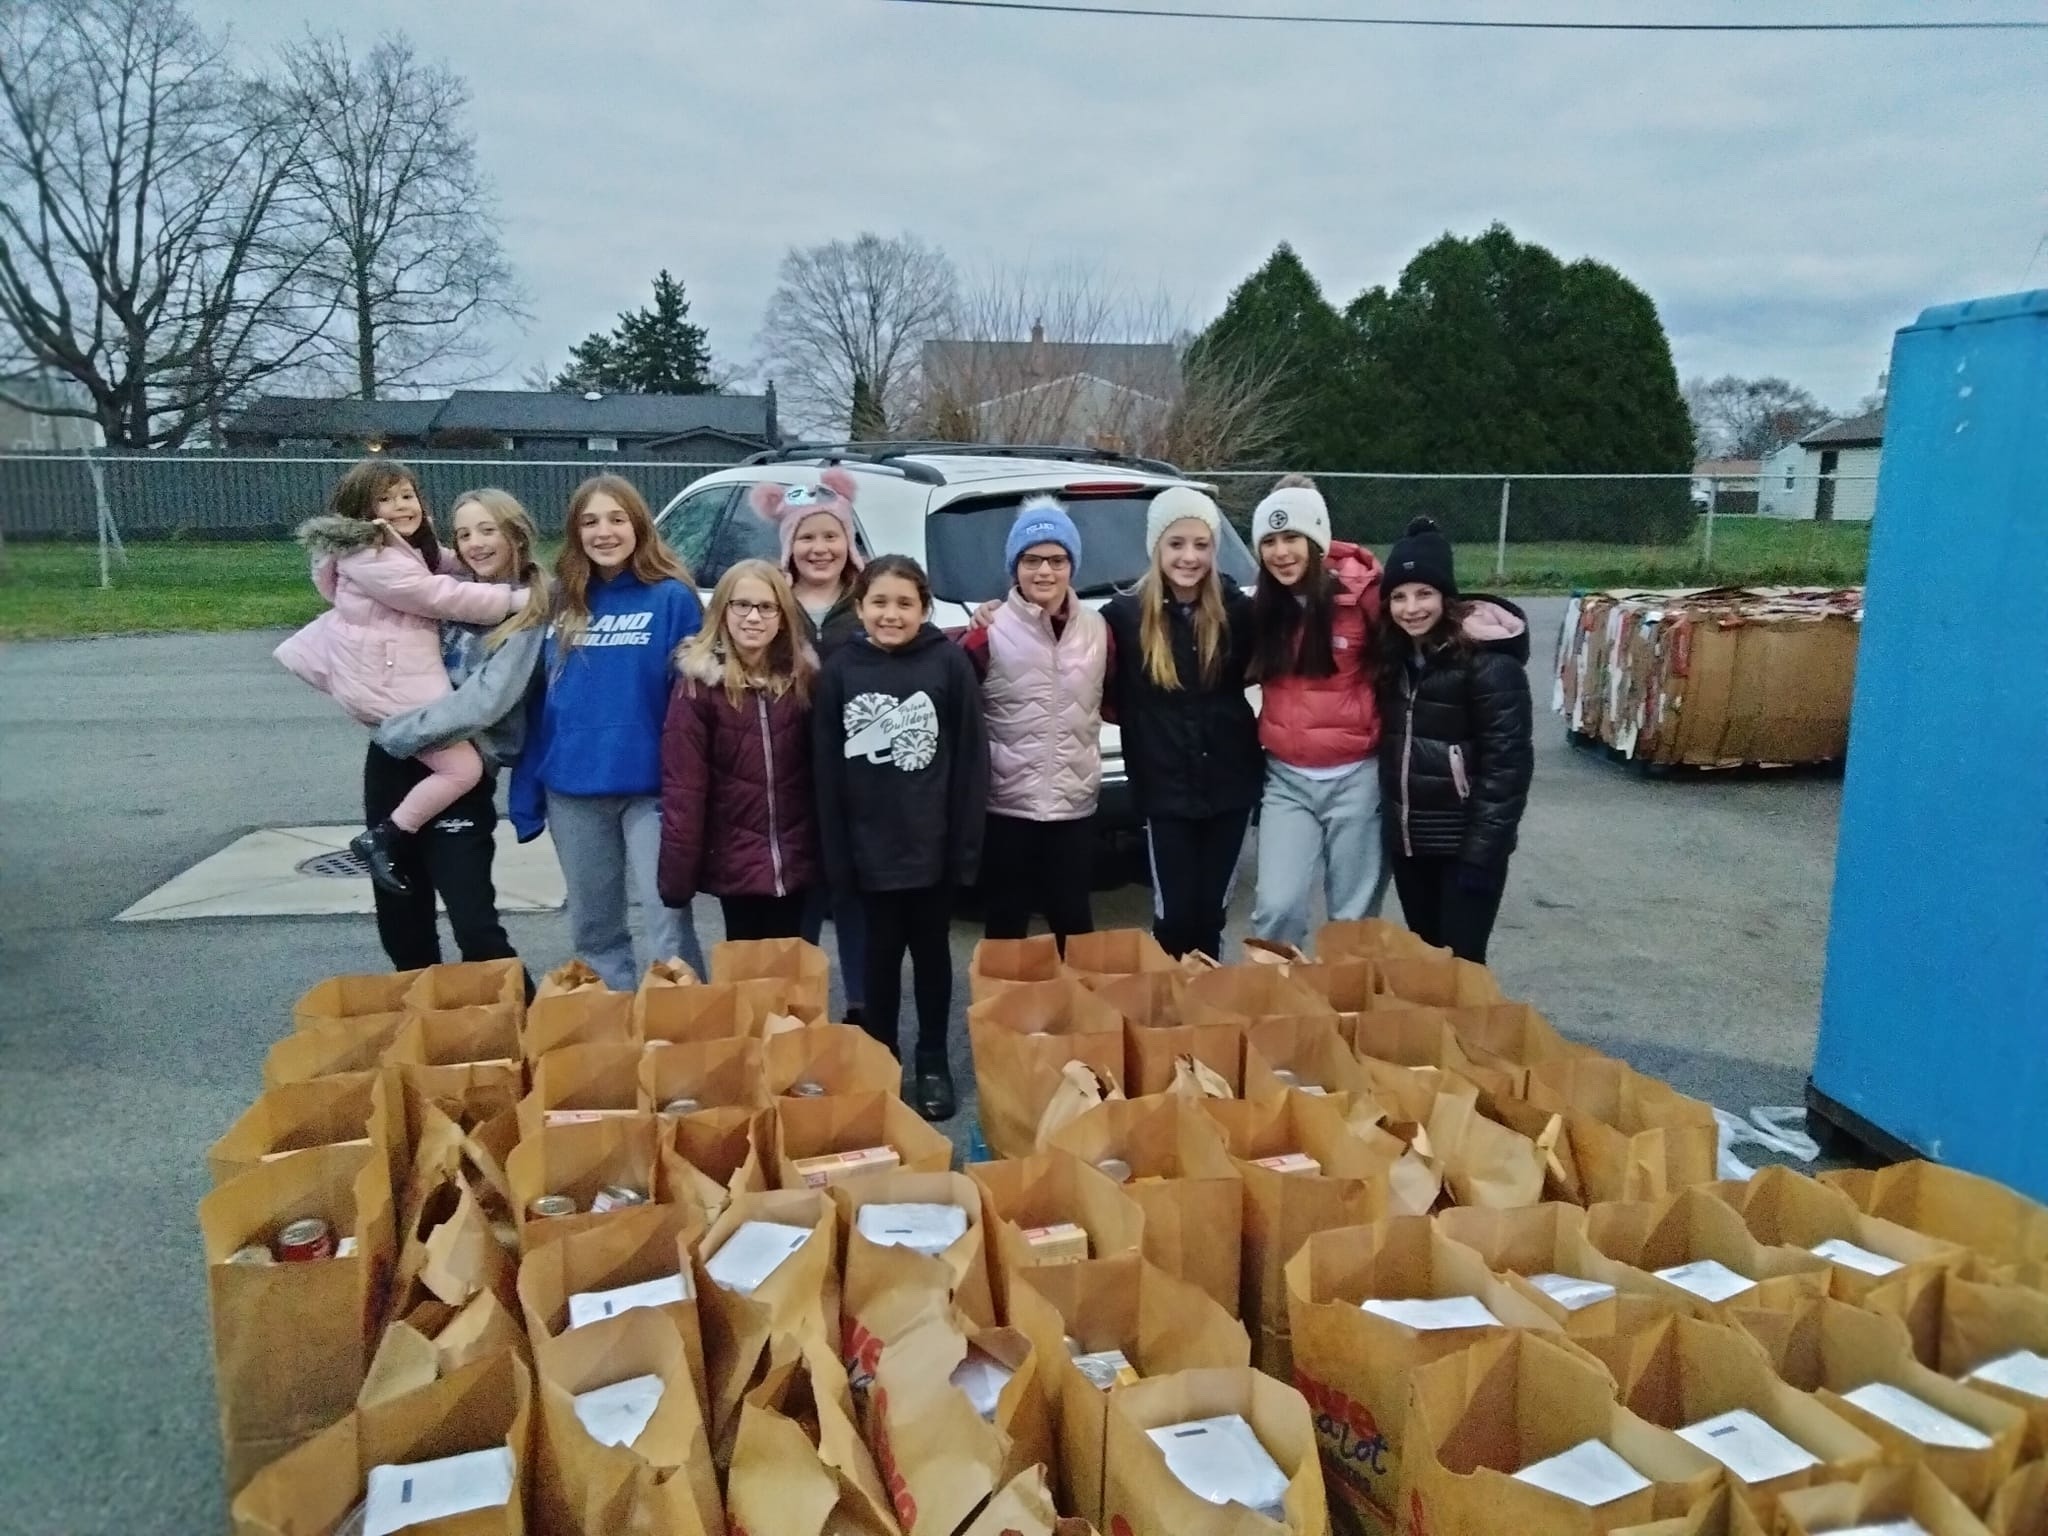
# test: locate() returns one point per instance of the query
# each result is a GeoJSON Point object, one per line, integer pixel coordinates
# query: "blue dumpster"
{"type": "Point", "coordinates": [1934, 1014]}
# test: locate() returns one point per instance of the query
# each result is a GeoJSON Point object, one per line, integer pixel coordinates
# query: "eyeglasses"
{"type": "Point", "coordinates": [1043, 563]}
{"type": "Point", "coordinates": [747, 610]}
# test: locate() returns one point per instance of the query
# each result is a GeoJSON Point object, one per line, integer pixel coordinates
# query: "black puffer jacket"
{"type": "Point", "coordinates": [1191, 752]}
{"type": "Point", "coordinates": [1457, 756]}
{"type": "Point", "coordinates": [840, 624]}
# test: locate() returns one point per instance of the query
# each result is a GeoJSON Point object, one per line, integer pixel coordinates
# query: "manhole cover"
{"type": "Point", "coordinates": [342, 864]}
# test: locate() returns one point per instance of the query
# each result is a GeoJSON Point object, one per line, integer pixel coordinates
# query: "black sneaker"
{"type": "Point", "coordinates": [932, 1091]}
{"type": "Point", "coordinates": [378, 848]}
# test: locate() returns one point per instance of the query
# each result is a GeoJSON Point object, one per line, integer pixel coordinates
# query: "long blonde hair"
{"type": "Point", "coordinates": [517, 525]}
{"type": "Point", "coordinates": [652, 560]}
{"type": "Point", "coordinates": [789, 664]}
{"type": "Point", "coordinates": [1155, 633]}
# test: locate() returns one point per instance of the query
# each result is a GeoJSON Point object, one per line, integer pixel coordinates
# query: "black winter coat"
{"type": "Point", "coordinates": [1457, 755]}
{"type": "Point", "coordinates": [1191, 752]}
{"type": "Point", "coordinates": [840, 624]}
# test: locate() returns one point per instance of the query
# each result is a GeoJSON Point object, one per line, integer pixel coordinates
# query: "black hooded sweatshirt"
{"type": "Point", "coordinates": [902, 765]}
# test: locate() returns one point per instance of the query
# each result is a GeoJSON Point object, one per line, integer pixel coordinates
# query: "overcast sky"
{"type": "Point", "coordinates": [1787, 201]}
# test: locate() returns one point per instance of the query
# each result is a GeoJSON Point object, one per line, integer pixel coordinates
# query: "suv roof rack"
{"type": "Point", "coordinates": [844, 453]}
{"type": "Point", "coordinates": [893, 455]}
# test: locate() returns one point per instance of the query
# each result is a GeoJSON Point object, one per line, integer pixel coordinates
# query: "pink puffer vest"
{"type": "Point", "coordinates": [1043, 699]}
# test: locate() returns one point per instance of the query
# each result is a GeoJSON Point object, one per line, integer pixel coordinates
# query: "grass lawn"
{"type": "Point", "coordinates": [52, 591]}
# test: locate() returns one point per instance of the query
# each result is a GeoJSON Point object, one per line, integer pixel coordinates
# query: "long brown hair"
{"type": "Point", "coordinates": [652, 560]}
{"type": "Point", "coordinates": [1155, 633]}
{"type": "Point", "coordinates": [517, 525]}
{"type": "Point", "coordinates": [787, 667]}
{"type": "Point", "coordinates": [1291, 625]}
{"type": "Point", "coordinates": [1395, 645]}
{"type": "Point", "coordinates": [356, 493]}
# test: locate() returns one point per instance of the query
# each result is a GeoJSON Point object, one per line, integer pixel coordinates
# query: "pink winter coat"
{"type": "Point", "coordinates": [377, 651]}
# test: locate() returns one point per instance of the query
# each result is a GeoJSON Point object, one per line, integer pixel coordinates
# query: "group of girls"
{"type": "Point", "coordinates": [812, 746]}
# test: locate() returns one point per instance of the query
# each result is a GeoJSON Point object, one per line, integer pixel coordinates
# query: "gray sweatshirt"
{"type": "Point", "coordinates": [488, 704]}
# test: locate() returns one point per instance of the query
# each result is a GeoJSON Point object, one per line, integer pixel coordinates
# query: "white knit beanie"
{"type": "Point", "coordinates": [1178, 502]}
{"type": "Point", "coordinates": [1294, 509]}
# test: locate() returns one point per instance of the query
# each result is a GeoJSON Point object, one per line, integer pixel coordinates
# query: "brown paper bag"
{"type": "Point", "coordinates": [573, 1006]}
{"type": "Point", "coordinates": [1194, 1081]}
{"type": "Point", "coordinates": [435, 1341]}
{"type": "Point", "coordinates": [1440, 981]}
{"type": "Point", "coordinates": [718, 1074]}
{"type": "Point", "coordinates": [1161, 1325]}
{"type": "Point", "coordinates": [1000, 964]}
{"type": "Point", "coordinates": [1353, 1366]}
{"type": "Point", "coordinates": [1982, 1323]}
{"type": "Point", "coordinates": [1110, 953]}
{"type": "Point", "coordinates": [1830, 1349]}
{"type": "Point", "coordinates": [1155, 1033]}
{"type": "Point", "coordinates": [663, 1483]}
{"type": "Point", "coordinates": [1644, 1236]}
{"type": "Point", "coordinates": [732, 1010]}
{"type": "Point", "coordinates": [1349, 986]}
{"type": "Point", "coordinates": [1632, 1137]}
{"type": "Point", "coordinates": [1081, 1089]}
{"type": "Point", "coordinates": [323, 1112]}
{"type": "Point", "coordinates": [1302, 1052]}
{"type": "Point", "coordinates": [1242, 993]}
{"type": "Point", "coordinates": [333, 1048]}
{"type": "Point", "coordinates": [1477, 1418]}
{"type": "Point", "coordinates": [839, 1058]}
{"type": "Point", "coordinates": [2021, 1508]}
{"type": "Point", "coordinates": [582, 1081]}
{"type": "Point", "coordinates": [483, 1406]}
{"type": "Point", "coordinates": [722, 1152]}
{"type": "Point", "coordinates": [1371, 938]}
{"type": "Point", "coordinates": [1484, 1162]}
{"type": "Point", "coordinates": [888, 1289]}
{"type": "Point", "coordinates": [1784, 1207]}
{"type": "Point", "coordinates": [852, 1122]}
{"type": "Point", "coordinates": [672, 972]}
{"type": "Point", "coordinates": [1022, 1507]}
{"type": "Point", "coordinates": [291, 1341]}
{"type": "Point", "coordinates": [469, 984]}
{"type": "Point", "coordinates": [1547, 1239]}
{"type": "Point", "coordinates": [467, 1055]}
{"type": "Point", "coordinates": [579, 1160]}
{"type": "Point", "coordinates": [356, 999]}
{"type": "Point", "coordinates": [1183, 1178]}
{"type": "Point", "coordinates": [799, 1466]}
{"type": "Point", "coordinates": [1022, 1042]}
{"type": "Point", "coordinates": [1515, 1034]}
{"type": "Point", "coordinates": [803, 967]}
{"type": "Point", "coordinates": [1143, 1498]}
{"type": "Point", "coordinates": [1027, 1194]}
{"type": "Point", "coordinates": [1880, 1496]}
{"type": "Point", "coordinates": [1423, 1037]}
{"type": "Point", "coordinates": [1947, 1203]}
{"type": "Point", "coordinates": [800, 1298]}
{"type": "Point", "coordinates": [1273, 952]}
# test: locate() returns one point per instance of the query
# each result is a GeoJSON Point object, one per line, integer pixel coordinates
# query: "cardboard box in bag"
{"type": "Point", "coordinates": [1353, 1365]}
{"type": "Point", "coordinates": [1882, 1497]}
{"type": "Point", "coordinates": [1632, 1137]}
{"type": "Point", "coordinates": [1000, 964]}
{"type": "Point", "coordinates": [1144, 1498]}
{"type": "Point", "coordinates": [1371, 938]}
{"type": "Point", "coordinates": [1832, 1350]}
{"type": "Point", "coordinates": [1157, 1032]}
{"type": "Point", "coordinates": [799, 1465]}
{"type": "Point", "coordinates": [573, 1006]}
{"type": "Point", "coordinates": [1304, 1053]}
{"type": "Point", "coordinates": [2021, 1507]}
{"type": "Point", "coordinates": [1184, 1180]}
{"type": "Point", "coordinates": [291, 1117]}
{"type": "Point", "coordinates": [718, 1074]}
{"type": "Point", "coordinates": [603, 1078]}
{"type": "Point", "coordinates": [354, 999]}
{"type": "Point", "coordinates": [579, 1161]}
{"type": "Point", "coordinates": [1784, 1208]}
{"type": "Point", "coordinates": [1047, 1189]}
{"type": "Point", "coordinates": [1160, 1324]}
{"type": "Point", "coordinates": [1690, 1229]}
{"type": "Point", "coordinates": [1022, 1042]}
{"type": "Point", "coordinates": [1549, 1242]}
{"type": "Point", "coordinates": [1978, 1213]}
{"type": "Point", "coordinates": [1478, 1420]}
{"type": "Point", "coordinates": [663, 1482]}
{"type": "Point", "coordinates": [839, 1058]}
{"type": "Point", "coordinates": [854, 1122]}
{"type": "Point", "coordinates": [1110, 953]}
{"type": "Point", "coordinates": [483, 1407]}
{"type": "Point", "coordinates": [889, 1288]}
{"type": "Point", "coordinates": [803, 967]}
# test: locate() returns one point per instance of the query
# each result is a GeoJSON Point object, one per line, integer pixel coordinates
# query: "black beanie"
{"type": "Point", "coordinates": [1421, 554]}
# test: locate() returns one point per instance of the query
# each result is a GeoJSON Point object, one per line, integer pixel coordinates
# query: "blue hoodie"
{"type": "Point", "coordinates": [596, 716]}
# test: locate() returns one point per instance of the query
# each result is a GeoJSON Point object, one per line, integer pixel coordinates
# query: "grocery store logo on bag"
{"type": "Point", "coordinates": [887, 730]}
{"type": "Point", "coordinates": [1353, 1448]}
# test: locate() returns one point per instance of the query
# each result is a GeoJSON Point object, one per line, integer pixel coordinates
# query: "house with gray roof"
{"type": "Point", "coordinates": [1829, 475]}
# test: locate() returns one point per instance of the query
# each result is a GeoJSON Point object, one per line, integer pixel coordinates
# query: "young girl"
{"type": "Point", "coordinates": [491, 669]}
{"type": "Point", "coordinates": [736, 808]}
{"type": "Point", "coordinates": [1044, 658]}
{"type": "Point", "coordinates": [1191, 743]}
{"type": "Point", "coordinates": [1312, 615]}
{"type": "Point", "coordinates": [591, 771]}
{"type": "Point", "coordinates": [376, 651]}
{"type": "Point", "coordinates": [821, 556]}
{"type": "Point", "coordinates": [902, 771]}
{"type": "Point", "coordinates": [1454, 690]}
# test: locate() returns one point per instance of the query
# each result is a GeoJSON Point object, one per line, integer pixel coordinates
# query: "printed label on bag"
{"type": "Point", "coordinates": [1354, 1450]}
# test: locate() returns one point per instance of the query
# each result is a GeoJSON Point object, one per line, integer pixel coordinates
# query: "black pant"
{"type": "Point", "coordinates": [920, 922]}
{"type": "Point", "coordinates": [1194, 864]}
{"type": "Point", "coordinates": [1443, 912]}
{"type": "Point", "coordinates": [1033, 868]}
{"type": "Point", "coordinates": [450, 857]}
{"type": "Point", "coordinates": [764, 917]}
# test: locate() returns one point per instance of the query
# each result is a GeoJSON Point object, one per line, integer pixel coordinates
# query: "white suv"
{"type": "Point", "coordinates": [950, 507]}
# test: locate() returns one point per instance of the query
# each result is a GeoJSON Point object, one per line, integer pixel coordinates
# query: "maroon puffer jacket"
{"type": "Point", "coordinates": [737, 814]}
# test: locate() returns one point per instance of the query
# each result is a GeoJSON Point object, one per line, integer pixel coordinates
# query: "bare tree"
{"type": "Point", "coordinates": [408, 235]}
{"type": "Point", "coordinates": [1750, 418]}
{"type": "Point", "coordinates": [150, 249]}
{"type": "Point", "coordinates": [850, 310]}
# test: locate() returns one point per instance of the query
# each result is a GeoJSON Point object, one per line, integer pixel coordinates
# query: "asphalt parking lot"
{"type": "Point", "coordinates": [1677, 923]}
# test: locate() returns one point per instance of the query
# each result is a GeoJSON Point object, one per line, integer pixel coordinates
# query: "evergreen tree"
{"type": "Point", "coordinates": [1278, 325]}
{"type": "Point", "coordinates": [655, 351]}
{"type": "Point", "coordinates": [868, 424]}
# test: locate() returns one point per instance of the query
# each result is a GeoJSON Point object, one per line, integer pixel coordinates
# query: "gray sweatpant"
{"type": "Point", "coordinates": [1304, 822]}
{"type": "Point", "coordinates": [610, 849]}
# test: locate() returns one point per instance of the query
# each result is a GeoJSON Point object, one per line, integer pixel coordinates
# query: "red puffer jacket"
{"type": "Point", "coordinates": [737, 814]}
{"type": "Point", "coordinates": [1325, 722]}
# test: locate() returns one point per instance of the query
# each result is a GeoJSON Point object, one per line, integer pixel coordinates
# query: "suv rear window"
{"type": "Point", "coordinates": [964, 547]}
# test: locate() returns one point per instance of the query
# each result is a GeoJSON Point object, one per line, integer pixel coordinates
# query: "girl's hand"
{"type": "Point", "coordinates": [985, 615]}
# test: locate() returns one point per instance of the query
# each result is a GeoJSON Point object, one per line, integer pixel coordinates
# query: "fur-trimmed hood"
{"type": "Point", "coordinates": [707, 668]}
{"type": "Point", "coordinates": [331, 537]}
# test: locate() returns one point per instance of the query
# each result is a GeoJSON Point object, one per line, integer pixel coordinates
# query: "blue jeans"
{"type": "Point", "coordinates": [610, 847]}
{"type": "Point", "coordinates": [1304, 822]}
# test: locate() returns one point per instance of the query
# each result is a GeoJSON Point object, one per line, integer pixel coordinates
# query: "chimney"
{"type": "Point", "coordinates": [1038, 333]}
{"type": "Point", "coordinates": [773, 428]}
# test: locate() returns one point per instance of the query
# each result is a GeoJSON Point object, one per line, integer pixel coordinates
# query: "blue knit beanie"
{"type": "Point", "coordinates": [1041, 520]}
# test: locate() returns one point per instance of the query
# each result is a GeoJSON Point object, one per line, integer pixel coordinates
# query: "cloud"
{"type": "Point", "coordinates": [1787, 201]}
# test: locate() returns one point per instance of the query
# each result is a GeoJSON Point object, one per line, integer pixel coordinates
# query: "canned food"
{"type": "Point", "coordinates": [807, 1090]}
{"type": "Point", "coordinates": [547, 1206]}
{"type": "Point", "coordinates": [681, 1107]}
{"type": "Point", "coordinates": [255, 1253]}
{"type": "Point", "coordinates": [1116, 1168]}
{"type": "Point", "coordinates": [304, 1240]}
{"type": "Point", "coordinates": [617, 1197]}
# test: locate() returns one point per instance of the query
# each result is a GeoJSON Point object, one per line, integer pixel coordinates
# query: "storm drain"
{"type": "Point", "coordinates": [341, 864]}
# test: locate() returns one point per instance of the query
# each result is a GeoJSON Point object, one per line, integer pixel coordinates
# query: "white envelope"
{"type": "Point", "coordinates": [1887, 1528]}
{"type": "Point", "coordinates": [596, 1306]}
{"type": "Point", "coordinates": [1839, 1250]}
{"type": "Point", "coordinates": [754, 1251]}
{"type": "Point", "coordinates": [616, 1414]}
{"type": "Point", "coordinates": [921, 1227]}
{"type": "Point", "coordinates": [1430, 1313]}
{"type": "Point", "coordinates": [1591, 1473]}
{"type": "Point", "coordinates": [1748, 1447]}
{"type": "Point", "coordinates": [1923, 1421]}
{"type": "Point", "coordinates": [399, 1497]}
{"type": "Point", "coordinates": [1708, 1279]}
{"type": "Point", "coordinates": [982, 1377]}
{"type": "Point", "coordinates": [1572, 1293]}
{"type": "Point", "coordinates": [1221, 1460]}
{"type": "Point", "coordinates": [2021, 1371]}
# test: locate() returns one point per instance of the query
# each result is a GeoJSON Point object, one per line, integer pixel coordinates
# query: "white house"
{"type": "Point", "coordinates": [1829, 475]}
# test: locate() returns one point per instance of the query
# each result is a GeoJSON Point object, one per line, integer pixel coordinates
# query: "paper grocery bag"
{"type": "Point", "coordinates": [2021, 1507]}
{"type": "Point", "coordinates": [327, 1049]}
{"type": "Point", "coordinates": [1194, 1081]}
{"type": "Point", "coordinates": [1439, 981]}
{"type": "Point", "coordinates": [1511, 1034]}
{"type": "Point", "coordinates": [1484, 1163]}
{"type": "Point", "coordinates": [889, 1288]}
{"type": "Point", "coordinates": [1632, 1137]}
{"type": "Point", "coordinates": [1241, 994]}
{"type": "Point", "coordinates": [1479, 1417]}
{"type": "Point", "coordinates": [1549, 1240]}
{"type": "Point", "coordinates": [716, 1074]}
{"type": "Point", "coordinates": [1832, 1350]}
{"type": "Point", "coordinates": [1022, 1042]}
{"type": "Point", "coordinates": [1689, 1227]}
{"type": "Point", "coordinates": [1423, 1037]}
{"type": "Point", "coordinates": [663, 1482]}
{"type": "Point", "coordinates": [468, 1055]}
{"type": "Point", "coordinates": [1160, 1324]}
{"type": "Point", "coordinates": [835, 1058]}
{"type": "Point", "coordinates": [1182, 1177]}
{"type": "Point", "coordinates": [1353, 1365]}
{"type": "Point", "coordinates": [1022, 1507]}
{"type": "Point", "coordinates": [803, 967]}
{"type": "Point", "coordinates": [725, 1011]}
{"type": "Point", "coordinates": [1883, 1496]}
{"type": "Point", "coordinates": [1784, 1207]}
{"type": "Point", "coordinates": [1301, 1052]}
{"type": "Point", "coordinates": [799, 1466]}
{"type": "Point", "coordinates": [1155, 1033]}
{"type": "Point", "coordinates": [469, 984]}
{"type": "Point", "coordinates": [1979, 1324]}
{"type": "Point", "coordinates": [1957, 1207]}
{"type": "Point", "coordinates": [1000, 964]}
{"type": "Point", "coordinates": [579, 1160]}
{"type": "Point", "coordinates": [800, 1298]}
{"type": "Point", "coordinates": [1110, 953]}
{"type": "Point", "coordinates": [672, 972]}
{"type": "Point", "coordinates": [853, 1122]}
{"type": "Point", "coordinates": [323, 1112]}
{"type": "Point", "coordinates": [357, 999]}
{"type": "Point", "coordinates": [1145, 1499]}
{"type": "Point", "coordinates": [1024, 1196]}
{"type": "Point", "coordinates": [573, 1006]}
{"type": "Point", "coordinates": [1370, 938]}
{"type": "Point", "coordinates": [435, 1341]}
{"type": "Point", "coordinates": [291, 1341]}
{"type": "Point", "coordinates": [1081, 1089]}
{"type": "Point", "coordinates": [575, 1082]}
{"type": "Point", "coordinates": [1351, 987]}
{"type": "Point", "coordinates": [716, 1154]}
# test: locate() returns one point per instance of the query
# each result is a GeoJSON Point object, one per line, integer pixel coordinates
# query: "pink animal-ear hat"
{"type": "Point", "coordinates": [789, 507]}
